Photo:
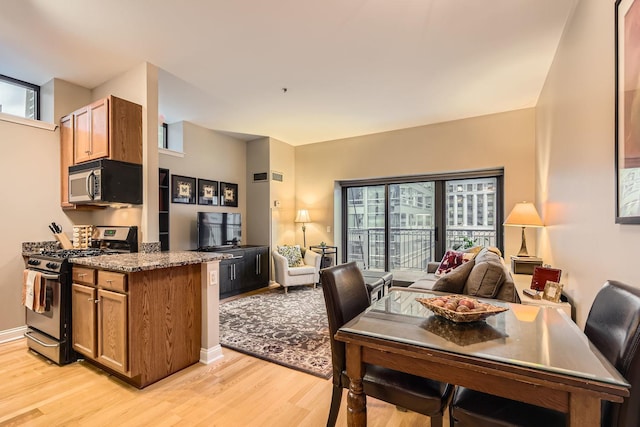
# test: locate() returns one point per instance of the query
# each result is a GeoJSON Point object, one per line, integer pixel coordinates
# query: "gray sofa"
{"type": "Point", "coordinates": [485, 276]}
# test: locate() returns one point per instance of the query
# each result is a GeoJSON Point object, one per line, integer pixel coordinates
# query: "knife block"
{"type": "Point", "coordinates": [64, 241]}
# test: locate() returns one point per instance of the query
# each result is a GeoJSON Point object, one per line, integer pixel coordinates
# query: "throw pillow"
{"type": "Point", "coordinates": [454, 281]}
{"type": "Point", "coordinates": [485, 280]}
{"type": "Point", "coordinates": [451, 260]}
{"type": "Point", "coordinates": [292, 254]}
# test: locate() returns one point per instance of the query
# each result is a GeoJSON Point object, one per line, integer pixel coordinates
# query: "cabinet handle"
{"type": "Point", "coordinates": [82, 274]}
{"type": "Point", "coordinates": [87, 152]}
{"type": "Point", "coordinates": [109, 281]}
{"type": "Point", "coordinates": [258, 265]}
{"type": "Point", "coordinates": [97, 301]}
{"type": "Point", "coordinates": [89, 299]}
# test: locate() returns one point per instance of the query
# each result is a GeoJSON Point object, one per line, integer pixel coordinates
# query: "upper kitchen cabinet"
{"type": "Point", "coordinates": [108, 128]}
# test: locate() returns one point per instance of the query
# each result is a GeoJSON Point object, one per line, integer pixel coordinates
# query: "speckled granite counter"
{"type": "Point", "coordinates": [129, 263]}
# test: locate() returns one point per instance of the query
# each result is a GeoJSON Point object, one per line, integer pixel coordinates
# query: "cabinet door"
{"type": "Point", "coordinates": [83, 315]}
{"type": "Point", "coordinates": [256, 268]}
{"type": "Point", "coordinates": [99, 116]}
{"type": "Point", "coordinates": [231, 279]}
{"type": "Point", "coordinates": [112, 330]}
{"type": "Point", "coordinates": [66, 158]}
{"type": "Point", "coordinates": [81, 135]}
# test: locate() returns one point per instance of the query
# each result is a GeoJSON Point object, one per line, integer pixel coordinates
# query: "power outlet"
{"type": "Point", "coordinates": [213, 278]}
{"type": "Point", "coordinates": [328, 229]}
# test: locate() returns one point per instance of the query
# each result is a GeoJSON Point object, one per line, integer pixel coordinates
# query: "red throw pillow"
{"type": "Point", "coordinates": [450, 261]}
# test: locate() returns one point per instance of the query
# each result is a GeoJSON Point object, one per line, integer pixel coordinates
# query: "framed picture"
{"type": "Point", "coordinates": [183, 189]}
{"type": "Point", "coordinates": [552, 291]}
{"type": "Point", "coordinates": [228, 194]}
{"type": "Point", "coordinates": [207, 192]}
{"type": "Point", "coordinates": [627, 133]}
{"type": "Point", "coordinates": [541, 275]}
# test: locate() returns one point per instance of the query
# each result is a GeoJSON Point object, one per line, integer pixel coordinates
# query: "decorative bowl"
{"type": "Point", "coordinates": [480, 310]}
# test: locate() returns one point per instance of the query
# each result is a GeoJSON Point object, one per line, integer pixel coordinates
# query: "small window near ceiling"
{"type": "Point", "coordinates": [163, 136]}
{"type": "Point", "coordinates": [19, 98]}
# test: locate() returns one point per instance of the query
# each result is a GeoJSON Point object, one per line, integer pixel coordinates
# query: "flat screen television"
{"type": "Point", "coordinates": [219, 229]}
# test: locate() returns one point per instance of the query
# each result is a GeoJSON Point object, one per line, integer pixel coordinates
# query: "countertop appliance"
{"type": "Point", "coordinates": [104, 182]}
{"type": "Point", "coordinates": [50, 333]}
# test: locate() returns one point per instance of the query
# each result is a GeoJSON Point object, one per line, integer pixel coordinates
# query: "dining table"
{"type": "Point", "coordinates": [533, 354]}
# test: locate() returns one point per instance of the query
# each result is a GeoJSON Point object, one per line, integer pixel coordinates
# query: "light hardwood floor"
{"type": "Point", "coordinates": [239, 390]}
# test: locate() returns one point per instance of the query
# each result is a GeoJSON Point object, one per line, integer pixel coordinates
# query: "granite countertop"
{"type": "Point", "coordinates": [130, 263]}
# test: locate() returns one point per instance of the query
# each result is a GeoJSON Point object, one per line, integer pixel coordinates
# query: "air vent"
{"type": "Point", "coordinates": [262, 176]}
{"type": "Point", "coordinates": [277, 176]}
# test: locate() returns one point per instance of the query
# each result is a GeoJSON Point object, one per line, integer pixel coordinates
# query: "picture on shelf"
{"type": "Point", "coordinates": [552, 291]}
{"type": "Point", "coordinates": [228, 194]}
{"type": "Point", "coordinates": [183, 189]}
{"type": "Point", "coordinates": [207, 192]}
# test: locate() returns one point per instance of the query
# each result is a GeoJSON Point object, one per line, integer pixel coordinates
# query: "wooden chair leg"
{"type": "Point", "coordinates": [336, 399]}
{"type": "Point", "coordinates": [436, 421]}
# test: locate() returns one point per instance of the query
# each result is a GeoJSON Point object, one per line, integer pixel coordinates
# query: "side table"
{"type": "Point", "coordinates": [523, 281]}
{"type": "Point", "coordinates": [329, 254]}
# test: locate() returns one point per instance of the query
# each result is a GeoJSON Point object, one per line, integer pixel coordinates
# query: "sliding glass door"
{"type": "Point", "coordinates": [402, 226]}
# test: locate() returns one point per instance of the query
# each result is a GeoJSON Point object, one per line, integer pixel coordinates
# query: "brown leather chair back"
{"type": "Point", "coordinates": [345, 296]}
{"type": "Point", "coordinates": [613, 326]}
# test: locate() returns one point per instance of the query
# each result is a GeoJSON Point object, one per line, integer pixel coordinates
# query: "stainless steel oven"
{"type": "Point", "coordinates": [49, 332]}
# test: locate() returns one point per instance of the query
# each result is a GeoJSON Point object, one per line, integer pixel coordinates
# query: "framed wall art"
{"type": "Point", "coordinates": [183, 189]}
{"type": "Point", "coordinates": [627, 111]}
{"type": "Point", "coordinates": [228, 194]}
{"type": "Point", "coordinates": [207, 192]}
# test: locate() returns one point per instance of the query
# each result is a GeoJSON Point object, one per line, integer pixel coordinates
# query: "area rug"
{"type": "Point", "coordinates": [288, 329]}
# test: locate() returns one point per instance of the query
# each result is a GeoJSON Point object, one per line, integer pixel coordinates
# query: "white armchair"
{"type": "Point", "coordinates": [307, 274]}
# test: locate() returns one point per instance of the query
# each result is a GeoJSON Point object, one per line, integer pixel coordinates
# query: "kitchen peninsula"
{"type": "Point", "coordinates": [141, 316]}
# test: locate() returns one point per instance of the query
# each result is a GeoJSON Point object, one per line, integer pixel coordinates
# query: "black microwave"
{"type": "Point", "coordinates": [104, 181]}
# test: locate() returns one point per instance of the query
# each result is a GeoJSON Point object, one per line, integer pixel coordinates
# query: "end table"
{"type": "Point", "coordinates": [328, 254]}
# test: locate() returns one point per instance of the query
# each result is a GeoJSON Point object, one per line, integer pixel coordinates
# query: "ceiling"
{"type": "Point", "coordinates": [300, 71]}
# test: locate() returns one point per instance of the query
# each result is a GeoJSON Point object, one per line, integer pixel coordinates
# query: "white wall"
{"type": "Point", "coordinates": [575, 172]}
{"type": "Point", "coordinates": [208, 155]}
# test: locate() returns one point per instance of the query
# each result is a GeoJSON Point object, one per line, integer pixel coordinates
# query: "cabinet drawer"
{"type": "Point", "coordinates": [112, 280]}
{"type": "Point", "coordinates": [84, 275]}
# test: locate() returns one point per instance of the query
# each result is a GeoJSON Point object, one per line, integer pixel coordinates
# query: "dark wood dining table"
{"type": "Point", "coordinates": [528, 353]}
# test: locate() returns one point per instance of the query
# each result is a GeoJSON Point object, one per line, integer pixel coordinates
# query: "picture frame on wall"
{"type": "Point", "coordinates": [228, 194]}
{"type": "Point", "coordinates": [627, 111]}
{"type": "Point", "coordinates": [207, 192]}
{"type": "Point", "coordinates": [183, 189]}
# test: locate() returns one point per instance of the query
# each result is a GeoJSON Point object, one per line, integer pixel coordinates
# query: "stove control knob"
{"type": "Point", "coordinates": [33, 262]}
{"type": "Point", "coordinates": [52, 265]}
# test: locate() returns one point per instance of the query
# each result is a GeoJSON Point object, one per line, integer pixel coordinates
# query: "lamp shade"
{"type": "Point", "coordinates": [303, 216]}
{"type": "Point", "coordinates": [524, 214]}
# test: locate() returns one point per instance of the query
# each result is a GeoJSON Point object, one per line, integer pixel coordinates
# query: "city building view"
{"type": "Point", "coordinates": [470, 219]}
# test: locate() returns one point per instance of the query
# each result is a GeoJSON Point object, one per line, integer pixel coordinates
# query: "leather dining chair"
{"type": "Point", "coordinates": [346, 296]}
{"type": "Point", "coordinates": [613, 326]}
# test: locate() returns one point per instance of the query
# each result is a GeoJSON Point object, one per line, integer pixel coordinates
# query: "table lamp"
{"type": "Point", "coordinates": [303, 217]}
{"type": "Point", "coordinates": [523, 215]}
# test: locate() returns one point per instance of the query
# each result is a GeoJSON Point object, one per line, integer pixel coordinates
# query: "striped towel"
{"type": "Point", "coordinates": [33, 293]}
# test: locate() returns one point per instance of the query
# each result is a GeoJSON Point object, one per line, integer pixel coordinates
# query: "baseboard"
{"type": "Point", "coordinates": [210, 355]}
{"type": "Point", "coordinates": [12, 334]}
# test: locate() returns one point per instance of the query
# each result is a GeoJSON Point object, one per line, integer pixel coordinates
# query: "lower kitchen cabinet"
{"type": "Point", "coordinates": [140, 326]}
{"type": "Point", "coordinates": [99, 319]}
{"type": "Point", "coordinates": [112, 330]}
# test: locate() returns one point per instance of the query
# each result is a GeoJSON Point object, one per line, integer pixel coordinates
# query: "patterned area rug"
{"type": "Point", "coordinates": [288, 329]}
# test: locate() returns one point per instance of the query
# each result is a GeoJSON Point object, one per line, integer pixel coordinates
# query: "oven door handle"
{"type": "Point", "coordinates": [50, 276]}
{"type": "Point", "coordinates": [42, 343]}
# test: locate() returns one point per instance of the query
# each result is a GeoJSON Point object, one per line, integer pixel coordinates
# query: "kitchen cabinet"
{"type": "Point", "coordinates": [140, 326]}
{"type": "Point", "coordinates": [99, 313]}
{"type": "Point", "coordinates": [66, 158]}
{"type": "Point", "coordinates": [247, 271]}
{"type": "Point", "coordinates": [108, 128]}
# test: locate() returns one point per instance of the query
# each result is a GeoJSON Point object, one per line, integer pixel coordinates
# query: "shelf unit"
{"type": "Point", "coordinates": [163, 208]}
